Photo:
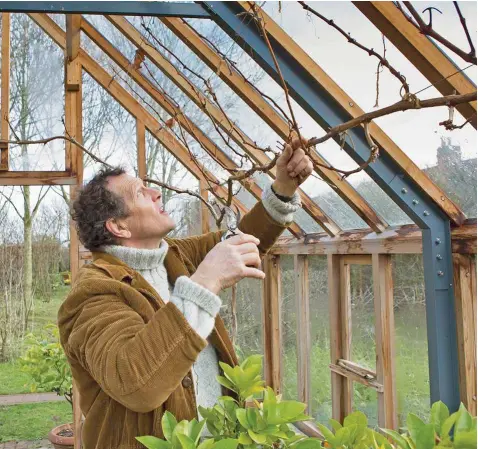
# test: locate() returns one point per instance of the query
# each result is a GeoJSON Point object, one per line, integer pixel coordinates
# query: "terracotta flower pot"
{"type": "Point", "coordinates": [62, 436]}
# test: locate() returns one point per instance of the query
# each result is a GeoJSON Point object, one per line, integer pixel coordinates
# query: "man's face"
{"type": "Point", "coordinates": [147, 221]}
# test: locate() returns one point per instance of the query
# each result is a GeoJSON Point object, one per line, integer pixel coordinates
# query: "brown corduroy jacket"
{"type": "Point", "coordinates": [130, 353]}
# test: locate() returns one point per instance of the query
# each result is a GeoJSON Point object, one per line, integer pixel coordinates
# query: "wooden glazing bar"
{"type": "Point", "coordinates": [385, 339]}
{"type": "Point", "coordinates": [301, 270]}
{"type": "Point", "coordinates": [141, 148]}
{"type": "Point", "coordinates": [5, 90]}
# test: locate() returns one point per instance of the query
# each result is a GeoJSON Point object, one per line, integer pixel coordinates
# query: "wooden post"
{"type": "Point", "coordinates": [205, 228]}
{"type": "Point", "coordinates": [385, 339]}
{"type": "Point", "coordinates": [5, 89]}
{"type": "Point", "coordinates": [272, 323]}
{"type": "Point", "coordinates": [74, 163]}
{"type": "Point", "coordinates": [340, 333]}
{"type": "Point", "coordinates": [301, 268]}
{"type": "Point", "coordinates": [141, 148]}
{"type": "Point", "coordinates": [464, 271]}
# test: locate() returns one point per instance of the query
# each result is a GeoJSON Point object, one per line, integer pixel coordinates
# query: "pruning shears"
{"type": "Point", "coordinates": [232, 222]}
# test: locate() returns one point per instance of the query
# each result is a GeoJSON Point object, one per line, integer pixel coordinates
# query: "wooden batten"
{"type": "Point", "coordinates": [464, 270]}
{"type": "Point", "coordinates": [338, 276]}
{"type": "Point", "coordinates": [37, 178]}
{"type": "Point", "coordinates": [5, 91]}
{"type": "Point", "coordinates": [385, 339]}
{"type": "Point", "coordinates": [141, 148]}
{"type": "Point", "coordinates": [272, 323]}
{"type": "Point", "coordinates": [205, 214]}
{"type": "Point", "coordinates": [301, 270]}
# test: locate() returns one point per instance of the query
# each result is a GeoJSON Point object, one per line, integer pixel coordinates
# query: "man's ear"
{"type": "Point", "coordinates": [118, 228]}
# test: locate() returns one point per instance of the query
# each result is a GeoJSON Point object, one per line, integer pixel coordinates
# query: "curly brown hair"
{"type": "Point", "coordinates": [94, 205]}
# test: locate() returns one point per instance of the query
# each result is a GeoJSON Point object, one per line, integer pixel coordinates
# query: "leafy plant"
{"type": "Point", "coordinates": [354, 433]}
{"type": "Point", "coordinates": [232, 423]}
{"type": "Point", "coordinates": [46, 363]}
{"type": "Point", "coordinates": [457, 430]}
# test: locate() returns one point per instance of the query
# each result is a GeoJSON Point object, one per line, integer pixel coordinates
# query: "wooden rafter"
{"type": "Point", "coordinates": [36, 178]}
{"type": "Point", "coordinates": [421, 51]}
{"type": "Point", "coordinates": [264, 110]}
{"type": "Point", "coordinates": [212, 149]}
{"type": "Point", "coordinates": [386, 144]}
{"type": "Point", "coordinates": [104, 79]}
{"type": "Point", "coordinates": [405, 239]}
{"type": "Point", "coordinates": [241, 139]}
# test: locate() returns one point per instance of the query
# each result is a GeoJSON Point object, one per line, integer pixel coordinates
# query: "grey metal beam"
{"type": "Point", "coordinates": [327, 112]}
{"type": "Point", "coordinates": [128, 8]}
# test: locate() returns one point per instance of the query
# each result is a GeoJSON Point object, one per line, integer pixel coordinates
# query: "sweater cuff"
{"type": "Point", "coordinates": [280, 211]}
{"type": "Point", "coordinates": [189, 290]}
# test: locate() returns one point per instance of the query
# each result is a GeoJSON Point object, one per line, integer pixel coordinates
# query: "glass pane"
{"type": "Point", "coordinates": [289, 328]}
{"type": "Point", "coordinates": [413, 386]}
{"type": "Point", "coordinates": [321, 407]}
{"type": "Point", "coordinates": [363, 317]}
{"type": "Point", "coordinates": [365, 400]}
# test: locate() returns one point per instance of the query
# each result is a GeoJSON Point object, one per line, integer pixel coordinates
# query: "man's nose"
{"type": "Point", "coordinates": [155, 194]}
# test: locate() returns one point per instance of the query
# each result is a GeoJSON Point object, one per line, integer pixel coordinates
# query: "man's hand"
{"type": "Point", "coordinates": [229, 262]}
{"type": "Point", "coordinates": [293, 168]}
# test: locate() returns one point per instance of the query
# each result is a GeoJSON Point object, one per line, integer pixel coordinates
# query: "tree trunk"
{"type": "Point", "coordinates": [27, 256]}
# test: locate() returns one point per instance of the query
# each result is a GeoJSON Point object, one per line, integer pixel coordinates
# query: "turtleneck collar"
{"type": "Point", "coordinates": [138, 258]}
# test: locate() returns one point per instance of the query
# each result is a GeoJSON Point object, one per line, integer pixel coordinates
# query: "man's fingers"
{"type": "Point", "coordinates": [286, 153]}
{"type": "Point", "coordinates": [248, 247]}
{"type": "Point", "coordinates": [296, 142]}
{"type": "Point", "coordinates": [251, 260]}
{"type": "Point", "coordinates": [250, 272]}
{"type": "Point", "coordinates": [302, 165]}
{"type": "Point", "coordinates": [298, 156]}
{"type": "Point", "coordinates": [243, 238]}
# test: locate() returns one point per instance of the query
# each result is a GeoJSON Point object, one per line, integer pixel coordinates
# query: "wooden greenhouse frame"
{"type": "Point", "coordinates": [445, 237]}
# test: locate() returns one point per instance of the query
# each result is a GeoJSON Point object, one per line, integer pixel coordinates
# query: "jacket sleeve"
{"type": "Point", "coordinates": [257, 222]}
{"type": "Point", "coordinates": [139, 365]}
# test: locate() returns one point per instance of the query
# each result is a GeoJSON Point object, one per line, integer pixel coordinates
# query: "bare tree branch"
{"type": "Point", "coordinates": [465, 28]}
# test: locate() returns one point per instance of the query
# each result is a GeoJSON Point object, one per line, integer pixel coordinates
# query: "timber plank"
{"type": "Point", "coordinates": [5, 90]}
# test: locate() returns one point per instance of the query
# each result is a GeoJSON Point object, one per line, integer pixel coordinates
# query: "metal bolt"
{"type": "Point", "coordinates": [426, 213]}
{"type": "Point", "coordinates": [415, 202]}
{"type": "Point", "coordinates": [351, 104]}
{"type": "Point", "coordinates": [439, 257]}
{"type": "Point", "coordinates": [437, 241]}
{"type": "Point", "coordinates": [404, 190]}
{"type": "Point", "coordinates": [440, 273]}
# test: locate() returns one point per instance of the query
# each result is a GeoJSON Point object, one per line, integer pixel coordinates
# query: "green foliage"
{"type": "Point", "coordinates": [231, 423]}
{"type": "Point", "coordinates": [46, 362]}
{"type": "Point", "coordinates": [354, 433]}
{"type": "Point", "coordinates": [457, 430]}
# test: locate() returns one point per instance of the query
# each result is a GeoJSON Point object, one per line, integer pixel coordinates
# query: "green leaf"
{"type": "Point", "coordinates": [335, 424]}
{"type": "Point", "coordinates": [309, 443]}
{"type": "Point", "coordinates": [328, 435]}
{"type": "Point", "coordinates": [244, 439]}
{"type": "Point", "coordinates": [357, 418]}
{"type": "Point", "coordinates": [241, 414]}
{"type": "Point", "coordinates": [425, 438]}
{"type": "Point", "coordinates": [195, 430]}
{"type": "Point", "coordinates": [447, 426]}
{"type": "Point", "coordinates": [397, 438]}
{"type": "Point", "coordinates": [225, 383]}
{"type": "Point", "coordinates": [439, 413]}
{"type": "Point", "coordinates": [153, 442]}
{"type": "Point", "coordinates": [463, 422]}
{"type": "Point", "coordinates": [342, 437]}
{"type": "Point", "coordinates": [207, 444]}
{"type": "Point", "coordinates": [186, 442]}
{"type": "Point", "coordinates": [228, 443]}
{"type": "Point", "coordinates": [257, 437]}
{"type": "Point", "coordinates": [168, 423]}
{"type": "Point", "coordinates": [415, 425]}
{"type": "Point", "coordinates": [465, 440]}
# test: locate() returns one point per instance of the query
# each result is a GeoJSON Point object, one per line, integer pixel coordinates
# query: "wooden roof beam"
{"type": "Point", "coordinates": [421, 51]}
{"type": "Point", "coordinates": [254, 99]}
{"type": "Point", "coordinates": [212, 149]}
{"type": "Point", "coordinates": [386, 144]}
{"type": "Point", "coordinates": [123, 97]}
{"type": "Point", "coordinates": [246, 143]}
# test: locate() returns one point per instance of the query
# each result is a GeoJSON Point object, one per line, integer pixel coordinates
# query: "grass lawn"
{"type": "Point", "coordinates": [12, 380]}
{"type": "Point", "coordinates": [32, 421]}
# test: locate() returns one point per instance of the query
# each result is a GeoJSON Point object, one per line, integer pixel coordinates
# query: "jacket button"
{"type": "Point", "coordinates": [187, 382]}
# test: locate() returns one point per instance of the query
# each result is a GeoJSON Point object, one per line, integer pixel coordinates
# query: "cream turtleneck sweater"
{"type": "Point", "coordinates": [199, 305]}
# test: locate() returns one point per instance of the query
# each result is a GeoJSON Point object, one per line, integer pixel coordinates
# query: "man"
{"type": "Point", "coordinates": [140, 327]}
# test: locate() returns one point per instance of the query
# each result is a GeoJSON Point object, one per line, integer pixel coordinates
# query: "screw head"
{"type": "Point", "coordinates": [439, 257]}
{"type": "Point", "coordinates": [351, 104]}
{"type": "Point", "coordinates": [440, 273]}
{"type": "Point", "coordinates": [404, 190]}
{"type": "Point", "coordinates": [437, 241]}
{"type": "Point", "coordinates": [415, 202]}
{"type": "Point", "coordinates": [426, 213]}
